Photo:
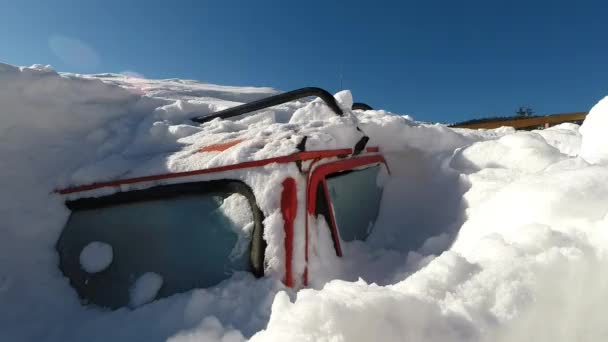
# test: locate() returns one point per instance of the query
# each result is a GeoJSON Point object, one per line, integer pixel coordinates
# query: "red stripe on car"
{"type": "Point", "coordinates": [289, 208]}
{"type": "Point", "coordinates": [300, 156]}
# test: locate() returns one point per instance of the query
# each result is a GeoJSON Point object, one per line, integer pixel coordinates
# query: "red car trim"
{"type": "Point", "coordinates": [332, 220]}
{"type": "Point", "coordinates": [305, 280]}
{"type": "Point", "coordinates": [221, 147]}
{"type": "Point", "coordinates": [289, 208]}
{"type": "Point", "coordinates": [341, 165]}
{"type": "Point", "coordinates": [300, 156]}
{"type": "Point", "coordinates": [318, 175]}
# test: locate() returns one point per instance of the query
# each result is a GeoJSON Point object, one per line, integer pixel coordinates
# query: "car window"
{"type": "Point", "coordinates": [355, 197]}
{"type": "Point", "coordinates": [149, 249]}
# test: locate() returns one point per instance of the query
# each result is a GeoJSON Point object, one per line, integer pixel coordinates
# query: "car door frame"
{"type": "Point", "coordinates": [317, 176]}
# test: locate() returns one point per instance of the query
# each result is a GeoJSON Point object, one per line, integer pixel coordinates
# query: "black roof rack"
{"type": "Point", "coordinates": [273, 101]}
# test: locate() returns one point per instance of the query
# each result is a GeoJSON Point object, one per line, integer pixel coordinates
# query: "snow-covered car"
{"type": "Point", "coordinates": [132, 240]}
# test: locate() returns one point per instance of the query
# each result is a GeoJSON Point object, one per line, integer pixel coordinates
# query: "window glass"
{"type": "Point", "coordinates": [355, 197]}
{"type": "Point", "coordinates": [174, 244]}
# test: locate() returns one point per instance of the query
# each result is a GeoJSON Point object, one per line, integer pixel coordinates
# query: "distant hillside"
{"type": "Point", "coordinates": [522, 122]}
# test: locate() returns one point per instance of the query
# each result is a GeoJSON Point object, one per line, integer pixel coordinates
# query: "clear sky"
{"type": "Point", "coordinates": [436, 60]}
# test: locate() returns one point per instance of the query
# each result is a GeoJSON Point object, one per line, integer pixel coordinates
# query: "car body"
{"type": "Point", "coordinates": [194, 228]}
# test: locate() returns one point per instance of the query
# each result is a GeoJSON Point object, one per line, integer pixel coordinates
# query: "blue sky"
{"type": "Point", "coordinates": [436, 60]}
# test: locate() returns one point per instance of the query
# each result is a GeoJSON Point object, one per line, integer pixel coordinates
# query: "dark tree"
{"type": "Point", "coordinates": [524, 112]}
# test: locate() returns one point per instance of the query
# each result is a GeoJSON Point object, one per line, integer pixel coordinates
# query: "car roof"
{"type": "Point", "coordinates": [283, 133]}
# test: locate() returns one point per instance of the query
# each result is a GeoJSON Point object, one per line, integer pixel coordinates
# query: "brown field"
{"type": "Point", "coordinates": [528, 123]}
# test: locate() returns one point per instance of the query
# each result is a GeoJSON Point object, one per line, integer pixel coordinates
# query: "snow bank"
{"type": "Point", "coordinates": [594, 147]}
{"type": "Point", "coordinates": [528, 152]}
{"type": "Point", "coordinates": [483, 235]}
{"type": "Point", "coordinates": [525, 264]}
{"type": "Point", "coordinates": [565, 137]}
{"type": "Point", "coordinates": [209, 330]}
{"type": "Point", "coordinates": [145, 289]}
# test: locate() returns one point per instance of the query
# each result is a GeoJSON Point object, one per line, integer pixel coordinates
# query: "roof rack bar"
{"type": "Point", "coordinates": [361, 106]}
{"type": "Point", "coordinates": [273, 101]}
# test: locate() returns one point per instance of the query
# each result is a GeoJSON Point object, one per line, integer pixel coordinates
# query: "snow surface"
{"type": "Point", "coordinates": [237, 209]}
{"type": "Point", "coordinates": [96, 257]}
{"type": "Point", "coordinates": [145, 289]}
{"type": "Point", "coordinates": [489, 235]}
{"type": "Point", "coordinates": [594, 146]}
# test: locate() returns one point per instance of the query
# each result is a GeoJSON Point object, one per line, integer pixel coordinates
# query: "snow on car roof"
{"type": "Point", "coordinates": [170, 142]}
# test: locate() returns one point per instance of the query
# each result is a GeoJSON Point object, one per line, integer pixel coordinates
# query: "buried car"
{"type": "Point", "coordinates": [132, 240]}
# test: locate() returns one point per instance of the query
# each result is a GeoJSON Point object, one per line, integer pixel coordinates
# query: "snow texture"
{"type": "Point", "coordinates": [145, 289]}
{"type": "Point", "coordinates": [594, 146]}
{"type": "Point", "coordinates": [96, 257]}
{"type": "Point", "coordinates": [237, 209]}
{"type": "Point", "coordinates": [486, 235]}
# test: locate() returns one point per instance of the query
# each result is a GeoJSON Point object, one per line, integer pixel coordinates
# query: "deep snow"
{"type": "Point", "coordinates": [482, 235]}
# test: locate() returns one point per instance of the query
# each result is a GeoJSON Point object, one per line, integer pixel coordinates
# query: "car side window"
{"type": "Point", "coordinates": [160, 246]}
{"type": "Point", "coordinates": [355, 198]}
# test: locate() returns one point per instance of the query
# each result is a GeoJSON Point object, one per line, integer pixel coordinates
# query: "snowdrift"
{"type": "Point", "coordinates": [482, 236]}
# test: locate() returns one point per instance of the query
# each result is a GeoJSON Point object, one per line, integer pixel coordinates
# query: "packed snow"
{"type": "Point", "coordinates": [145, 289]}
{"type": "Point", "coordinates": [96, 257]}
{"type": "Point", "coordinates": [594, 146]}
{"type": "Point", "coordinates": [236, 208]}
{"type": "Point", "coordinates": [492, 235]}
